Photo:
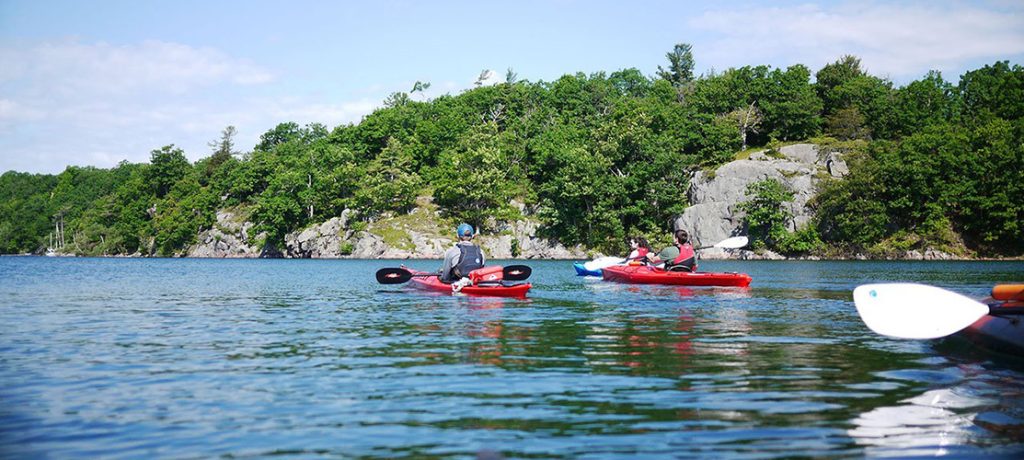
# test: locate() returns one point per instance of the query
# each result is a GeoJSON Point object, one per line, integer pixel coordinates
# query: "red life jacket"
{"type": "Point", "coordinates": [641, 253]}
{"type": "Point", "coordinates": [687, 258]}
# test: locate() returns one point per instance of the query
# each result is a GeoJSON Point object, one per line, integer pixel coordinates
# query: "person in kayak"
{"type": "Point", "coordinates": [678, 257]}
{"type": "Point", "coordinates": [639, 248]}
{"type": "Point", "coordinates": [462, 258]}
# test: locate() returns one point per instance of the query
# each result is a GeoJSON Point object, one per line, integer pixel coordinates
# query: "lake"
{"type": "Point", "coordinates": [186, 358]}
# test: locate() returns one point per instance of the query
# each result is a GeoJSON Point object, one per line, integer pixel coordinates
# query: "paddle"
{"type": "Point", "coordinates": [735, 242]}
{"type": "Point", "coordinates": [401, 275]}
{"type": "Point", "coordinates": [601, 263]}
{"type": "Point", "coordinates": [919, 311]}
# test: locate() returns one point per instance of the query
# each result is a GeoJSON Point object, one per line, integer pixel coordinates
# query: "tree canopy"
{"type": "Point", "coordinates": [593, 157]}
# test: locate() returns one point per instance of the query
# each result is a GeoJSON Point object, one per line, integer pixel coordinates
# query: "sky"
{"type": "Point", "coordinates": [99, 82]}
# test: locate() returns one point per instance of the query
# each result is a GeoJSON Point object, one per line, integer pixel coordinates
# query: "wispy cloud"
{"type": "Point", "coordinates": [71, 68]}
{"type": "Point", "coordinates": [96, 104]}
{"type": "Point", "coordinates": [901, 40]}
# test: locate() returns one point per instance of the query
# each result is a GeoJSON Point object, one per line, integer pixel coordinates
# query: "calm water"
{"type": "Point", "coordinates": [311, 358]}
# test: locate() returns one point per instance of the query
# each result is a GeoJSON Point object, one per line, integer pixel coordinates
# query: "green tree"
{"type": "Point", "coordinates": [995, 90]}
{"type": "Point", "coordinates": [473, 182]}
{"type": "Point", "coordinates": [282, 133]}
{"type": "Point", "coordinates": [926, 102]}
{"type": "Point", "coordinates": [24, 211]}
{"type": "Point", "coordinates": [791, 108]}
{"type": "Point", "coordinates": [389, 184]}
{"type": "Point", "coordinates": [848, 124]}
{"type": "Point", "coordinates": [680, 65]}
{"type": "Point", "coordinates": [832, 77]}
{"type": "Point", "coordinates": [767, 216]}
{"type": "Point", "coordinates": [168, 165]}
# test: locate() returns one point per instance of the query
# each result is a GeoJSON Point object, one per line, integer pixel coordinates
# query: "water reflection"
{"type": "Point", "coordinates": [313, 359]}
{"type": "Point", "coordinates": [923, 425]}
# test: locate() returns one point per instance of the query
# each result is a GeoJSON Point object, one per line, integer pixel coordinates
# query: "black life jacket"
{"type": "Point", "coordinates": [470, 258]}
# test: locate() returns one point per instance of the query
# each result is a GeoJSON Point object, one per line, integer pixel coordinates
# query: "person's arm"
{"type": "Point", "coordinates": [450, 259]}
{"type": "Point", "coordinates": [652, 258]}
{"type": "Point", "coordinates": [667, 254]}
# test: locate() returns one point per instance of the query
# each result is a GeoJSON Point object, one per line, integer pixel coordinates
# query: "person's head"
{"type": "Point", "coordinates": [681, 236]}
{"type": "Point", "coordinates": [634, 242]}
{"type": "Point", "coordinates": [464, 232]}
{"type": "Point", "coordinates": [641, 242]}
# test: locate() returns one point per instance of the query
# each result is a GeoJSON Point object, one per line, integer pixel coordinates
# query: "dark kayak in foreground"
{"type": "Point", "coordinates": [642, 274]}
{"type": "Point", "coordinates": [430, 282]}
{"type": "Point", "coordinates": [1000, 332]}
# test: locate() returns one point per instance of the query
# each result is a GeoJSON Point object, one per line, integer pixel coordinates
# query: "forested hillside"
{"type": "Point", "coordinates": [594, 157]}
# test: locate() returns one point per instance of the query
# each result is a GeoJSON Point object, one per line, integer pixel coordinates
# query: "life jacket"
{"type": "Point", "coordinates": [686, 261]}
{"type": "Point", "coordinates": [470, 258]}
{"type": "Point", "coordinates": [640, 254]}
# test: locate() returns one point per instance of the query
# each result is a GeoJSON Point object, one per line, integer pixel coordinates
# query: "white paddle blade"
{"type": "Point", "coordinates": [915, 311]}
{"type": "Point", "coordinates": [601, 263]}
{"type": "Point", "coordinates": [735, 242]}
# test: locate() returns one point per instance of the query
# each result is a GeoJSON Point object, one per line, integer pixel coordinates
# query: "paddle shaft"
{"type": "Point", "coordinates": [1000, 311]}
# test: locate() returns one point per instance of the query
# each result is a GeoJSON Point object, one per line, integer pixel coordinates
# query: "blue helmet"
{"type": "Point", "coordinates": [464, 230]}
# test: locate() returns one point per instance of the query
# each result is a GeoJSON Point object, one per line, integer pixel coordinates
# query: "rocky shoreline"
{"type": "Point", "coordinates": [713, 215]}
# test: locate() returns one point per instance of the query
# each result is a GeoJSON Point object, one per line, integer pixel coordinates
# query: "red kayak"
{"type": "Point", "coordinates": [643, 274]}
{"type": "Point", "coordinates": [499, 288]}
{"type": "Point", "coordinates": [1001, 332]}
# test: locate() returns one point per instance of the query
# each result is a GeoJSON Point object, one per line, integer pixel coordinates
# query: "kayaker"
{"type": "Point", "coordinates": [639, 248]}
{"type": "Point", "coordinates": [462, 258]}
{"type": "Point", "coordinates": [678, 257]}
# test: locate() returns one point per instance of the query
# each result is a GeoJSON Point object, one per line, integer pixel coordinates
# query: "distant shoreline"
{"type": "Point", "coordinates": [788, 259]}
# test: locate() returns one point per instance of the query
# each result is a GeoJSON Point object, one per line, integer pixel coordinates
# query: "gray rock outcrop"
{"type": "Point", "coordinates": [230, 237]}
{"type": "Point", "coordinates": [425, 239]}
{"type": "Point", "coordinates": [714, 214]}
{"type": "Point", "coordinates": [321, 241]}
{"type": "Point", "coordinates": [524, 235]}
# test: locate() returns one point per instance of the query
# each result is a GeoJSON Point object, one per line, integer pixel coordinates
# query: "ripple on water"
{"type": "Point", "coordinates": [204, 358]}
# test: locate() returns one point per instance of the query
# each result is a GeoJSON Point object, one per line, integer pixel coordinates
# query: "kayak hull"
{"type": "Point", "coordinates": [581, 270]}
{"type": "Point", "coordinates": [434, 284]}
{"type": "Point", "coordinates": [1001, 333]}
{"type": "Point", "coordinates": [642, 274]}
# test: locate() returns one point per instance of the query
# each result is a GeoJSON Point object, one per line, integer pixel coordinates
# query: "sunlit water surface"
{"type": "Point", "coordinates": [187, 358]}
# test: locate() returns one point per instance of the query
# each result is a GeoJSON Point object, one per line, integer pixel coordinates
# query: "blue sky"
{"type": "Point", "coordinates": [94, 83]}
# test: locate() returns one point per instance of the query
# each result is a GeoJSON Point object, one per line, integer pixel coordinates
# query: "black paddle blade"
{"type": "Point", "coordinates": [516, 272]}
{"type": "Point", "coordinates": [393, 275]}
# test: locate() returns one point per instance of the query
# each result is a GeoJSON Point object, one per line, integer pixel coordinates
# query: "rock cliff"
{"type": "Point", "coordinates": [714, 196]}
{"type": "Point", "coordinates": [229, 238]}
{"type": "Point", "coordinates": [418, 235]}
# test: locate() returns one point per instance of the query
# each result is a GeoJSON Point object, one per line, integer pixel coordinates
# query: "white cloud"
{"type": "Point", "coordinates": [901, 40]}
{"type": "Point", "coordinates": [73, 103]}
{"type": "Point", "coordinates": [71, 67]}
{"type": "Point", "coordinates": [328, 114]}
